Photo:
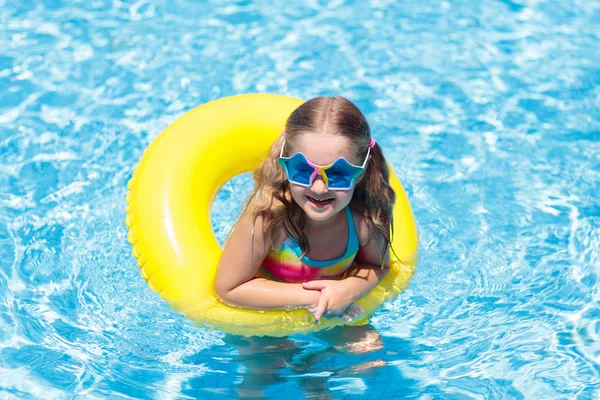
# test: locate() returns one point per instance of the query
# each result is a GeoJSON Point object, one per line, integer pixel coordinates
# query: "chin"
{"type": "Point", "coordinates": [319, 215]}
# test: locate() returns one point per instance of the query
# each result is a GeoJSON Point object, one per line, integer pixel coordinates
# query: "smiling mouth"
{"type": "Point", "coordinates": [319, 203]}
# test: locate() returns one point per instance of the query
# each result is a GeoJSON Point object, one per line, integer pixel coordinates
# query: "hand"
{"type": "Point", "coordinates": [351, 312]}
{"type": "Point", "coordinates": [335, 299]}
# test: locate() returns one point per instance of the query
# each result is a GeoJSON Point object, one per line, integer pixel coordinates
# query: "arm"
{"type": "Point", "coordinates": [235, 281]}
{"type": "Point", "coordinates": [363, 278]}
{"type": "Point", "coordinates": [368, 271]}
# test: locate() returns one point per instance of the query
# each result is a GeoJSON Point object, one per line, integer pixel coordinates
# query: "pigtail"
{"type": "Point", "coordinates": [374, 197]}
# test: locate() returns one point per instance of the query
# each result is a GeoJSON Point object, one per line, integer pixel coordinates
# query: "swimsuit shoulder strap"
{"type": "Point", "coordinates": [353, 243]}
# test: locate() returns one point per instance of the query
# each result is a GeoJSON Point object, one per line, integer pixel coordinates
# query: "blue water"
{"type": "Point", "coordinates": [488, 111]}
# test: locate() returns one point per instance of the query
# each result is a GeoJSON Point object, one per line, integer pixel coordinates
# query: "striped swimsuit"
{"type": "Point", "coordinates": [286, 264]}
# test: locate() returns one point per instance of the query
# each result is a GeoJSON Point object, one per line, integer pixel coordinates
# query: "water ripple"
{"type": "Point", "coordinates": [488, 114]}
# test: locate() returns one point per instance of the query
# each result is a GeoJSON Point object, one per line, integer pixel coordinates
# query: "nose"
{"type": "Point", "coordinates": [318, 185]}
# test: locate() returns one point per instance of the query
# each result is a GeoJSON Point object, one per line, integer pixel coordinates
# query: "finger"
{"type": "Point", "coordinates": [314, 285]}
{"type": "Point", "coordinates": [354, 308]}
{"type": "Point", "coordinates": [351, 313]}
{"type": "Point", "coordinates": [347, 318]}
{"type": "Point", "coordinates": [322, 306]}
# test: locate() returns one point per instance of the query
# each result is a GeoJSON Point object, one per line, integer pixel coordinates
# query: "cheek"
{"type": "Point", "coordinates": [347, 196]}
{"type": "Point", "coordinates": [297, 192]}
{"type": "Point", "coordinates": [344, 196]}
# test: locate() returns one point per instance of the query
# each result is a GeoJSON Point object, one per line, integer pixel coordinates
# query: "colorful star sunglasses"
{"type": "Point", "coordinates": [339, 175]}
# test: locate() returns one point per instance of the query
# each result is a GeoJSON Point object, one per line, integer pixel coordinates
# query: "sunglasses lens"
{"type": "Point", "coordinates": [298, 170]}
{"type": "Point", "coordinates": [341, 175]}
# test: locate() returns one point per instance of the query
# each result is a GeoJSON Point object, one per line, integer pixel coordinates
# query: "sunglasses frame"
{"type": "Point", "coordinates": [320, 169]}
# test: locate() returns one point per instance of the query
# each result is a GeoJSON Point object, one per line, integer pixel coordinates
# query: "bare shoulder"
{"type": "Point", "coordinates": [371, 242]}
{"type": "Point", "coordinates": [243, 253]}
{"type": "Point", "coordinates": [251, 226]}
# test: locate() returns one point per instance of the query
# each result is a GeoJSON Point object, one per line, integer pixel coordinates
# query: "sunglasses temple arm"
{"type": "Point", "coordinates": [366, 159]}
{"type": "Point", "coordinates": [281, 152]}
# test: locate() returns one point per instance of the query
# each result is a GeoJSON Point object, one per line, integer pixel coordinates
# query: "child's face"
{"type": "Point", "coordinates": [318, 202]}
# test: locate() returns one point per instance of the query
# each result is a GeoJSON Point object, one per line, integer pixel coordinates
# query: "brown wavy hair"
{"type": "Point", "coordinates": [373, 196]}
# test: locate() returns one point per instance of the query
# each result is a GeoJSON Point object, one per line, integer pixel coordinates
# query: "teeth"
{"type": "Point", "coordinates": [318, 201]}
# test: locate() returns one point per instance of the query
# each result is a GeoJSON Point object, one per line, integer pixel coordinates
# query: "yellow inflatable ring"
{"type": "Point", "coordinates": [168, 214]}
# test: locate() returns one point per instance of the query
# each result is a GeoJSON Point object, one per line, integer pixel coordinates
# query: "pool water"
{"type": "Point", "coordinates": [488, 111]}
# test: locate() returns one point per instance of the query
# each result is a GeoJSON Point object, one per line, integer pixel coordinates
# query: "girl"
{"type": "Point", "coordinates": [316, 230]}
